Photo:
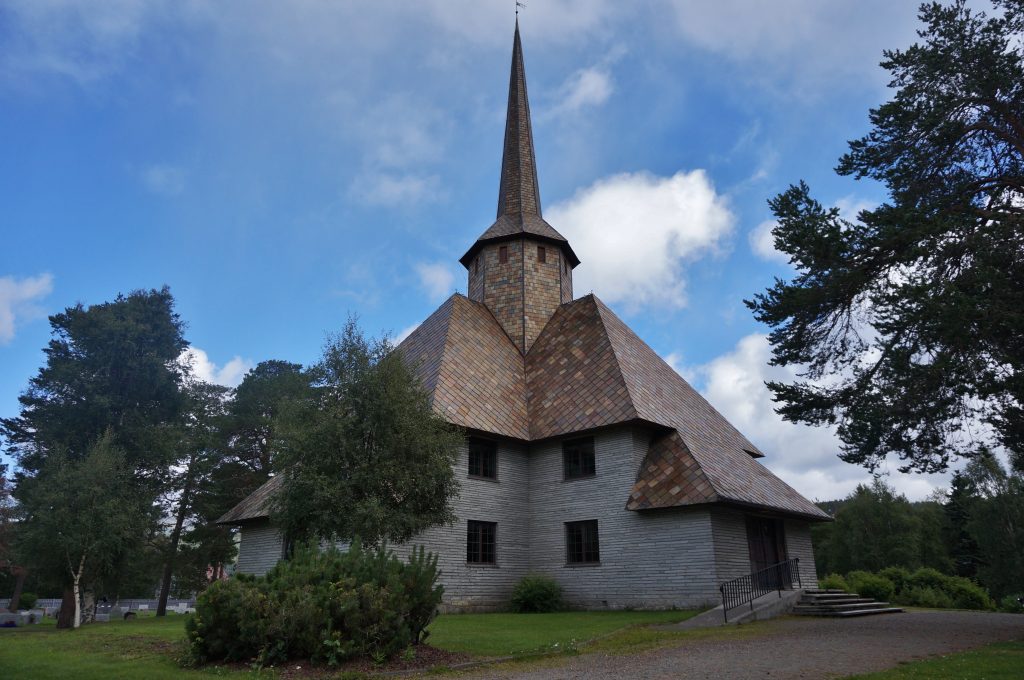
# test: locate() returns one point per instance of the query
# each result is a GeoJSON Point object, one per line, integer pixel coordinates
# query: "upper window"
{"type": "Point", "coordinates": [480, 540]}
{"type": "Point", "coordinates": [542, 254]}
{"type": "Point", "coordinates": [581, 542]}
{"type": "Point", "coordinates": [483, 458]}
{"type": "Point", "coordinates": [578, 458]}
{"type": "Point", "coordinates": [503, 254]}
{"type": "Point", "coordinates": [476, 266]}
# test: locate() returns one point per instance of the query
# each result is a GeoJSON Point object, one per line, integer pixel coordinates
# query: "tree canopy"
{"type": "Point", "coordinates": [365, 455]}
{"type": "Point", "coordinates": [909, 321]}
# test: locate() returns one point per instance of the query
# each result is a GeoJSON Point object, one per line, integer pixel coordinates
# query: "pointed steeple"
{"type": "Point", "coordinates": [518, 193]}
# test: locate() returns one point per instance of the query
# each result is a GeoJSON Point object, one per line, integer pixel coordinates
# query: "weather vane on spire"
{"type": "Point", "coordinates": [518, 5]}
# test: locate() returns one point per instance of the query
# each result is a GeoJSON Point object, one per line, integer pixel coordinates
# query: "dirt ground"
{"type": "Point", "coordinates": [794, 647]}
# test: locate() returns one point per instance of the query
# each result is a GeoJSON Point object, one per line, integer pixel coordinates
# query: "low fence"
{"type": "Point", "coordinates": [132, 604]}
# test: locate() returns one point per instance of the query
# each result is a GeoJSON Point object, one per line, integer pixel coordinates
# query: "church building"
{"type": "Point", "coordinates": [587, 458]}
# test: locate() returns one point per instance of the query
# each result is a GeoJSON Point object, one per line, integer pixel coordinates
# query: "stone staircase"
{"type": "Point", "coordinates": [840, 604]}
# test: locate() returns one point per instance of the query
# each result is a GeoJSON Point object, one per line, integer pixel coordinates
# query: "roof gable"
{"type": "Point", "coordinates": [470, 367]}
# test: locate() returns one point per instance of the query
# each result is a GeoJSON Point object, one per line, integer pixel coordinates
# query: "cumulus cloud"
{"type": "Point", "coordinates": [405, 332]}
{"type": "Point", "coordinates": [18, 298]}
{"type": "Point", "coordinates": [396, 189]}
{"type": "Point", "coordinates": [436, 279]}
{"type": "Point", "coordinates": [776, 38]}
{"type": "Point", "coordinates": [803, 456]}
{"type": "Point", "coordinates": [228, 375]}
{"type": "Point", "coordinates": [166, 180]}
{"type": "Point", "coordinates": [636, 232]}
{"type": "Point", "coordinates": [585, 88]}
{"type": "Point", "coordinates": [75, 39]}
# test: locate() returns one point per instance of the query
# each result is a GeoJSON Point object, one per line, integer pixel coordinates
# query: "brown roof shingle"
{"type": "Point", "coordinates": [255, 506]}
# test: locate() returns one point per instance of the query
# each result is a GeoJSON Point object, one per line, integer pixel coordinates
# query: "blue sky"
{"type": "Point", "coordinates": [280, 165]}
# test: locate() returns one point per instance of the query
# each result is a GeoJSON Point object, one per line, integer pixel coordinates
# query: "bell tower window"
{"type": "Point", "coordinates": [502, 254]}
{"type": "Point", "coordinates": [542, 254]}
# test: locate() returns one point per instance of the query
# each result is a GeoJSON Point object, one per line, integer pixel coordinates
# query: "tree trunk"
{"type": "Point", "coordinates": [77, 621]}
{"type": "Point", "coordinates": [19, 585]}
{"type": "Point", "coordinates": [172, 551]}
{"type": "Point", "coordinates": [67, 610]}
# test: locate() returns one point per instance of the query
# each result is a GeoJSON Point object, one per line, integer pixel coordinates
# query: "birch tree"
{"type": "Point", "coordinates": [81, 516]}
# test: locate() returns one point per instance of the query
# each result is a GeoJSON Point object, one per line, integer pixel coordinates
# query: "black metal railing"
{"type": "Point", "coordinates": [744, 589]}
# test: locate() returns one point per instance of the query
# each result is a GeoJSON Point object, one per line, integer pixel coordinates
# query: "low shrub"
{"type": "Point", "coordinates": [833, 582]}
{"type": "Point", "coordinates": [326, 606]}
{"type": "Point", "coordinates": [898, 575]}
{"type": "Point", "coordinates": [924, 596]}
{"type": "Point", "coordinates": [535, 593]}
{"type": "Point", "coordinates": [927, 577]}
{"type": "Point", "coordinates": [871, 585]}
{"type": "Point", "coordinates": [28, 601]}
{"type": "Point", "coordinates": [967, 594]}
{"type": "Point", "coordinates": [1014, 604]}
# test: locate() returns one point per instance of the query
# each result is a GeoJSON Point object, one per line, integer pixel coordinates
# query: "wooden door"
{"type": "Point", "coordinates": [766, 545]}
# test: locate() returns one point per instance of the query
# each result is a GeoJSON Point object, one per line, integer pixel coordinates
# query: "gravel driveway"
{"type": "Point", "coordinates": [792, 648]}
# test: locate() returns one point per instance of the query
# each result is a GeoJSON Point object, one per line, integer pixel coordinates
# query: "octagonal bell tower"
{"type": "Point", "coordinates": [521, 268]}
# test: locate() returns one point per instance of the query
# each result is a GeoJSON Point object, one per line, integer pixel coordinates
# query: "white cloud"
{"type": "Point", "coordinates": [17, 301]}
{"type": "Point", "coordinates": [77, 39]}
{"type": "Point", "coordinates": [405, 332]}
{"type": "Point", "coordinates": [635, 233]}
{"type": "Point", "coordinates": [396, 189]}
{"type": "Point", "coordinates": [166, 180]}
{"type": "Point", "coordinates": [763, 243]}
{"type": "Point", "coordinates": [587, 87]}
{"type": "Point", "coordinates": [814, 42]}
{"type": "Point", "coordinates": [436, 279]}
{"type": "Point", "coordinates": [228, 375]}
{"type": "Point", "coordinates": [805, 457]}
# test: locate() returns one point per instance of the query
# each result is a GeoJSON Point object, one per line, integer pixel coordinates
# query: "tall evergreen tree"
{"type": "Point", "coordinates": [909, 321]}
{"type": "Point", "coordinates": [368, 441]}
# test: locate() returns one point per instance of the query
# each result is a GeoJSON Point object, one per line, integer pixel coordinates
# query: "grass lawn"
{"type": "Point", "coordinates": [148, 647]}
{"type": "Point", "coordinates": [512, 634]}
{"type": "Point", "coordinates": [992, 662]}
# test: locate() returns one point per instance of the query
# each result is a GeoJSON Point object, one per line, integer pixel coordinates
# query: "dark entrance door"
{"type": "Point", "coordinates": [765, 541]}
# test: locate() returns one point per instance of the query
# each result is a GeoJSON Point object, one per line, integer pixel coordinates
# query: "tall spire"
{"type": "Point", "coordinates": [518, 193]}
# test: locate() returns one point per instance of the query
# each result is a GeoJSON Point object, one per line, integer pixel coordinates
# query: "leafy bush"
{"type": "Point", "coordinates": [1012, 604]}
{"type": "Point", "coordinates": [967, 594]}
{"type": "Point", "coordinates": [870, 585]}
{"type": "Point", "coordinates": [833, 582]}
{"type": "Point", "coordinates": [928, 578]}
{"type": "Point", "coordinates": [28, 601]}
{"type": "Point", "coordinates": [898, 575]}
{"type": "Point", "coordinates": [924, 596]}
{"type": "Point", "coordinates": [322, 605]}
{"type": "Point", "coordinates": [535, 593]}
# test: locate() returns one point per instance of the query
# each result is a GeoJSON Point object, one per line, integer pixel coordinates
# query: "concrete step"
{"type": "Point", "coordinates": [824, 597]}
{"type": "Point", "coordinates": [819, 591]}
{"type": "Point", "coordinates": [865, 604]}
{"type": "Point", "coordinates": [846, 613]}
{"type": "Point", "coordinates": [835, 603]}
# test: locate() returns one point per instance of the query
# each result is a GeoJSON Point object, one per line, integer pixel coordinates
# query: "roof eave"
{"type": "Point", "coordinates": [467, 259]}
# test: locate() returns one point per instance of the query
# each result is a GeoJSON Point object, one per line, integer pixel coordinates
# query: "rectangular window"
{"type": "Point", "coordinates": [483, 458]}
{"type": "Point", "coordinates": [578, 458]}
{"type": "Point", "coordinates": [480, 539]}
{"type": "Point", "coordinates": [542, 254]}
{"type": "Point", "coordinates": [581, 543]}
{"type": "Point", "coordinates": [503, 254]}
{"type": "Point", "coordinates": [476, 266]}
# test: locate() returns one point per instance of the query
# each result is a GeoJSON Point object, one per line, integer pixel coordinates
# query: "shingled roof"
{"type": "Point", "coordinates": [255, 506]}
{"type": "Point", "coordinates": [519, 211]}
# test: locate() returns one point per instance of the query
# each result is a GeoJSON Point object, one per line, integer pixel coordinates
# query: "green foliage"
{"type": "Point", "coordinates": [28, 600]}
{"type": "Point", "coordinates": [536, 593]}
{"type": "Point", "coordinates": [918, 596]}
{"type": "Point", "coordinates": [909, 314]}
{"type": "Point", "coordinates": [1013, 604]}
{"type": "Point", "coordinates": [367, 440]}
{"type": "Point", "coordinates": [833, 582]}
{"type": "Point", "coordinates": [323, 605]}
{"type": "Point", "coordinates": [871, 585]}
{"type": "Point", "coordinates": [898, 576]}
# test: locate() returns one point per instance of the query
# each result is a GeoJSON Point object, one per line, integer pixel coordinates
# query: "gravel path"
{"type": "Point", "coordinates": [792, 648]}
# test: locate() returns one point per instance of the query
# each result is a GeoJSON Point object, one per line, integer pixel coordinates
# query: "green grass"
{"type": "Point", "coordinates": [149, 647]}
{"type": "Point", "coordinates": [144, 648]}
{"type": "Point", "coordinates": [992, 662]}
{"type": "Point", "coordinates": [514, 634]}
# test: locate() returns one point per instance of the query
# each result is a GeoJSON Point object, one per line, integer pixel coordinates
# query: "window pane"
{"type": "Point", "coordinates": [542, 255]}
{"type": "Point", "coordinates": [503, 254]}
{"type": "Point", "coordinates": [483, 458]}
{"type": "Point", "coordinates": [480, 542]}
{"type": "Point", "coordinates": [578, 458]}
{"type": "Point", "coordinates": [581, 542]}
